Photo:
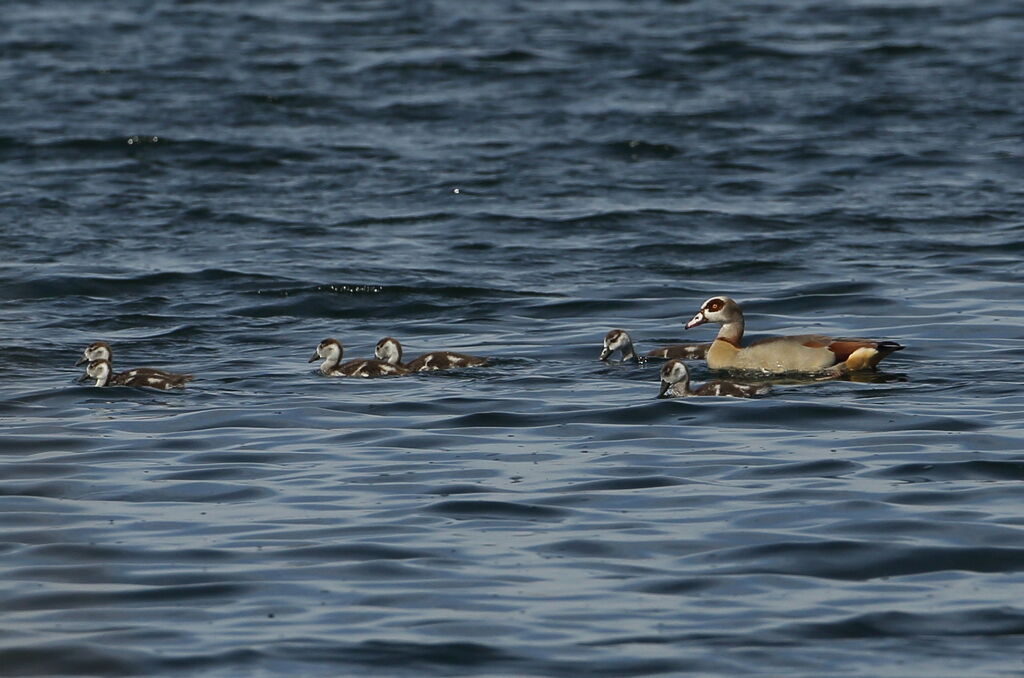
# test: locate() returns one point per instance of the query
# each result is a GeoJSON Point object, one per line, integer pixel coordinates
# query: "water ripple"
{"type": "Point", "coordinates": [510, 180]}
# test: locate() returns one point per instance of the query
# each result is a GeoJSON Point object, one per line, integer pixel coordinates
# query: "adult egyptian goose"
{"type": "Point", "coordinates": [796, 353]}
{"type": "Point", "coordinates": [103, 373]}
{"type": "Point", "coordinates": [389, 350]}
{"type": "Point", "coordinates": [619, 340]}
{"type": "Point", "coordinates": [330, 350]}
{"type": "Point", "coordinates": [675, 383]}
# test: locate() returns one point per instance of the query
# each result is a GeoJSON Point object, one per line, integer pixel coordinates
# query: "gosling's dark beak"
{"type": "Point", "coordinates": [664, 387]}
{"type": "Point", "coordinates": [84, 377]}
{"type": "Point", "coordinates": [605, 352]}
{"type": "Point", "coordinates": [316, 356]}
{"type": "Point", "coordinates": [81, 360]}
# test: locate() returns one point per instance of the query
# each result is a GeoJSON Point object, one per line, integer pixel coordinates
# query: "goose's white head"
{"type": "Point", "coordinates": [97, 350]}
{"type": "Point", "coordinates": [389, 350]}
{"type": "Point", "coordinates": [330, 351]}
{"type": "Point", "coordinates": [720, 310]}
{"type": "Point", "coordinates": [99, 370]}
{"type": "Point", "coordinates": [618, 340]}
{"type": "Point", "coordinates": [675, 376]}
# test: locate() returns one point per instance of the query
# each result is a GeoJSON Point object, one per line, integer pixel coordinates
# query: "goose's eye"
{"type": "Point", "coordinates": [715, 305]}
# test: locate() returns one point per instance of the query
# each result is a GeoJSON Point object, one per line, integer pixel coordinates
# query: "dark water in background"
{"type": "Point", "coordinates": [216, 186]}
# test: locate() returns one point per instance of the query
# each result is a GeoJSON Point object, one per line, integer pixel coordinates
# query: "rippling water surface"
{"type": "Point", "coordinates": [215, 187]}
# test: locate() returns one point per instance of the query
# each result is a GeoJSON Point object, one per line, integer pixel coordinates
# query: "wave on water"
{"type": "Point", "coordinates": [509, 180]}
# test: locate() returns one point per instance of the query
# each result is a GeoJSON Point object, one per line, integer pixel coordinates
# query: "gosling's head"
{"type": "Point", "coordinates": [674, 376]}
{"type": "Point", "coordinates": [389, 350]}
{"type": "Point", "coordinates": [617, 340]}
{"type": "Point", "coordinates": [330, 351]}
{"type": "Point", "coordinates": [97, 350]}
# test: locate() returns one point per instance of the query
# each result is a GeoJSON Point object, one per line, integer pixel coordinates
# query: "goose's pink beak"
{"type": "Point", "coordinates": [698, 319]}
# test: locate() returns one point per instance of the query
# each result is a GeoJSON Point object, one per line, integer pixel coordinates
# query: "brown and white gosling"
{"type": "Point", "coordinates": [100, 350]}
{"type": "Point", "coordinates": [389, 350]}
{"type": "Point", "coordinates": [675, 383]}
{"type": "Point", "coordinates": [103, 373]}
{"type": "Point", "coordinates": [619, 340]}
{"type": "Point", "coordinates": [330, 351]}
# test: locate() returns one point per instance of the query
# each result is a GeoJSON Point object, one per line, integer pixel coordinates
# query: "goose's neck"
{"type": "Point", "coordinates": [628, 353]}
{"type": "Point", "coordinates": [331, 361]}
{"type": "Point", "coordinates": [392, 355]}
{"type": "Point", "coordinates": [732, 331]}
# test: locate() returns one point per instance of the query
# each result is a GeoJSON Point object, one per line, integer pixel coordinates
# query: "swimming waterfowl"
{"type": "Point", "coordinates": [796, 353]}
{"type": "Point", "coordinates": [330, 350]}
{"type": "Point", "coordinates": [617, 340]}
{"type": "Point", "coordinates": [675, 383]}
{"type": "Point", "coordinates": [680, 352]}
{"type": "Point", "coordinates": [97, 350]}
{"type": "Point", "coordinates": [102, 371]}
{"type": "Point", "coordinates": [389, 350]}
{"type": "Point", "coordinates": [100, 350]}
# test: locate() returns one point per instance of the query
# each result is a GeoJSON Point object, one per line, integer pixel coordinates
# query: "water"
{"type": "Point", "coordinates": [215, 187]}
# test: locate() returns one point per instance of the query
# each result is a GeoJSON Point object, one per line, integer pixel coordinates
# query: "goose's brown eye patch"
{"type": "Point", "coordinates": [715, 305]}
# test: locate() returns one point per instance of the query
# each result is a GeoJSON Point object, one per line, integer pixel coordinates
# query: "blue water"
{"type": "Point", "coordinates": [214, 187]}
